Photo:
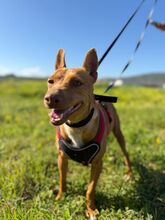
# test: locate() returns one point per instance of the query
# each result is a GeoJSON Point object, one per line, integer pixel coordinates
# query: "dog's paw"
{"type": "Point", "coordinates": [92, 214]}
{"type": "Point", "coordinates": [59, 196]}
{"type": "Point", "coordinates": [128, 176]}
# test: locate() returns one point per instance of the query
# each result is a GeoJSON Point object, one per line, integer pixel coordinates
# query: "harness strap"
{"type": "Point", "coordinates": [103, 98]}
{"type": "Point", "coordinates": [58, 133]}
{"type": "Point", "coordinates": [101, 129]}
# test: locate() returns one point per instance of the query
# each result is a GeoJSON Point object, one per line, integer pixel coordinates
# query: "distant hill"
{"type": "Point", "coordinates": [153, 79]}
{"type": "Point", "coordinates": [150, 79]}
{"type": "Point", "coordinates": [13, 76]}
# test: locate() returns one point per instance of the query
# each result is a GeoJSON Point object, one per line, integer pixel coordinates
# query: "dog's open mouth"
{"type": "Point", "coordinates": [60, 116]}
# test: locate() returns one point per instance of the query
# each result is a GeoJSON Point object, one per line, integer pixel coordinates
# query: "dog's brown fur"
{"type": "Point", "coordinates": [71, 87]}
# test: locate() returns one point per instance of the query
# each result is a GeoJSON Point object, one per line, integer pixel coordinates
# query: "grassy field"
{"type": "Point", "coordinates": [28, 160]}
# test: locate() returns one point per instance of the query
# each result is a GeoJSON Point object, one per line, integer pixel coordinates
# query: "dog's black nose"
{"type": "Point", "coordinates": [47, 99]}
{"type": "Point", "coordinates": [52, 99]}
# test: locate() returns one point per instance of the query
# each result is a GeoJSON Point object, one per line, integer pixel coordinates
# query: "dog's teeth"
{"type": "Point", "coordinates": [56, 118]}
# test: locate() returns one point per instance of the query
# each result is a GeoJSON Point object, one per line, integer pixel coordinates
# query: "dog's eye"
{"type": "Point", "coordinates": [60, 77]}
{"type": "Point", "coordinates": [76, 83]}
{"type": "Point", "coordinates": [50, 81]}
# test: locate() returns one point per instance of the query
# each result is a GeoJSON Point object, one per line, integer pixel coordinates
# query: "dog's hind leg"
{"type": "Point", "coordinates": [120, 138]}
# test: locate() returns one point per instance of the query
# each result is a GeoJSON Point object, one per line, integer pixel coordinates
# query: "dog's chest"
{"type": "Point", "coordinates": [75, 135]}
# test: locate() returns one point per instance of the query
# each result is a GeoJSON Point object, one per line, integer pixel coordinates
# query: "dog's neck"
{"type": "Point", "coordinates": [84, 134]}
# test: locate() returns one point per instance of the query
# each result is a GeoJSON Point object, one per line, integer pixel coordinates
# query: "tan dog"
{"type": "Point", "coordinates": [80, 120]}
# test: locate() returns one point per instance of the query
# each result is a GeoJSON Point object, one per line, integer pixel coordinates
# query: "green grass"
{"type": "Point", "coordinates": [28, 160]}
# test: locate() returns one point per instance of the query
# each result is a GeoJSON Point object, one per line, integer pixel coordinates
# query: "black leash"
{"type": "Point", "coordinates": [120, 33]}
{"type": "Point", "coordinates": [113, 99]}
{"type": "Point", "coordinates": [137, 45]}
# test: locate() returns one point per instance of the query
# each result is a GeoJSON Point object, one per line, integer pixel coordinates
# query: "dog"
{"type": "Point", "coordinates": [82, 123]}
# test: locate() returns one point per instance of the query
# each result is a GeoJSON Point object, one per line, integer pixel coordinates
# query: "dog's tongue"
{"type": "Point", "coordinates": [56, 113]}
{"type": "Point", "coordinates": [58, 117]}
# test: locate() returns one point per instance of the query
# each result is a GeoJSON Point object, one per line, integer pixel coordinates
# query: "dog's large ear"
{"type": "Point", "coordinates": [60, 59]}
{"type": "Point", "coordinates": [91, 63]}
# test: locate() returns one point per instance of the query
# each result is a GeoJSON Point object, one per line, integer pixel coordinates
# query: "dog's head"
{"type": "Point", "coordinates": [70, 90]}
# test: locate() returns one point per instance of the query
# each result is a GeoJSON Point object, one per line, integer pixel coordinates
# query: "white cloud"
{"type": "Point", "coordinates": [4, 70]}
{"type": "Point", "coordinates": [34, 71]}
{"type": "Point", "coordinates": [31, 72]}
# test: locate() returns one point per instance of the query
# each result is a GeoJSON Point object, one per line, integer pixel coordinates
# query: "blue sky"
{"type": "Point", "coordinates": [32, 31]}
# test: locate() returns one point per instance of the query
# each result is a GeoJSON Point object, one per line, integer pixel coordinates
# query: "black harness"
{"type": "Point", "coordinates": [86, 153]}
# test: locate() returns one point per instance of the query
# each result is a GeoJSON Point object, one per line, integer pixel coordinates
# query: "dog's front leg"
{"type": "Point", "coordinates": [63, 167]}
{"type": "Point", "coordinates": [96, 168]}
